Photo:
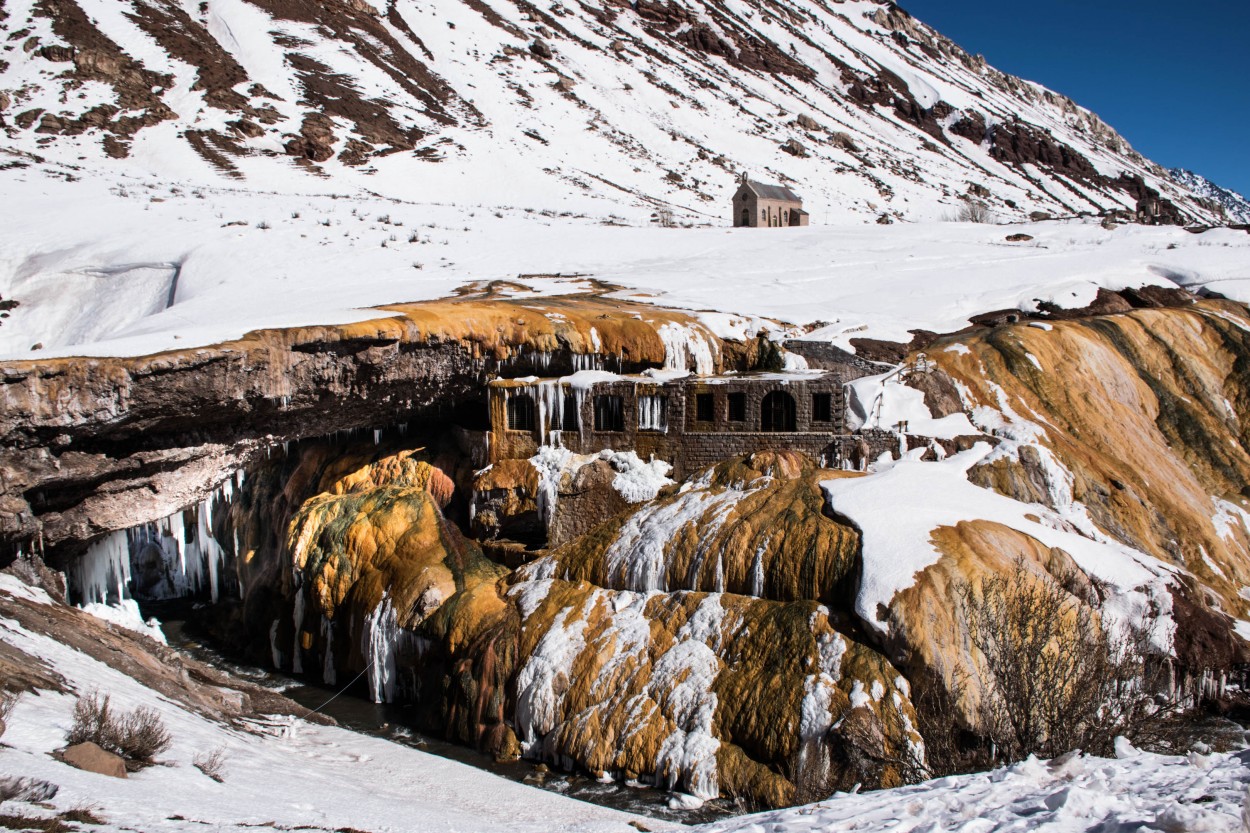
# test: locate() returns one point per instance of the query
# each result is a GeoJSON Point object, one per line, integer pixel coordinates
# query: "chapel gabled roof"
{"type": "Point", "coordinates": [772, 192]}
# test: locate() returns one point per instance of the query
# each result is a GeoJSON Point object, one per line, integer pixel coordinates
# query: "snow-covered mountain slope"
{"type": "Point", "coordinates": [1235, 206]}
{"type": "Point", "coordinates": [620, 106]}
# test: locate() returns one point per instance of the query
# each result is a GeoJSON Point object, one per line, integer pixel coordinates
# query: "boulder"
{"type": "Point", "coordinates": [92, 758]}
{"type": "Point", "coordinates": [540, 48]}
{"type": "Point", "coordinates": [1019, 238]}
{"type": "Point", "coordinates": [794, 148]}
{"type": "Point", "coordinates": [807, 122]}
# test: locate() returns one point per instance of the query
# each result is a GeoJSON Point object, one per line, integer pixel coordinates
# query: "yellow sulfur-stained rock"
{"type": "Point", "coordinates": [709, 694]}
{"type": "Point", "coordinates": [753, 525]}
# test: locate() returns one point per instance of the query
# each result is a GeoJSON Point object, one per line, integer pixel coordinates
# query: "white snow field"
{"type": "Point", "coordinates": [1135, 792]}
{"type": "Point", "coordinates": [290, 774]}
{"type": "Point", "coordinates": [109, 264]}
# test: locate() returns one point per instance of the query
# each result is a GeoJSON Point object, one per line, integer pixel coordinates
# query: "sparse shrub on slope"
{"type": "Point", "coordinates": [211, 763]}
{"type": "Point", "coordinates": [137, 737]}
{"type": "Point", "coordinates": [971, 211]}
{"type": "Point", "coordinates": [1055, 679]}
{"type": "Point", "coordinates": [7, 700]}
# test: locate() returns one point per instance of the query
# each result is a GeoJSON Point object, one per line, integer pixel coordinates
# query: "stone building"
{"type": "Point", "coordinates": [758, 205]}
{"type": "Point", "coordinates": [690, 422]}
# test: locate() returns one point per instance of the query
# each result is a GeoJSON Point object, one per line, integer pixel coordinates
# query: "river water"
{"type": "Point", "coordinates": [391, 721]}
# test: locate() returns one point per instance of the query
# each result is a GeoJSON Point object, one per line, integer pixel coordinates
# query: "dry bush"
{"type": "Point", "coordinates": [7, 701]}
{"type": "Point", "coordinates": [26, 821]}
{"type": "Point", "coordinates": [82, 814]}
{"type": "Point", "coordinates": [137, 736]}
{"type": "Point", "coordinates": [1056, 680]}
{"type": "Point", "coordinates": [855, 751]}
{"type": "Point", "coordinates": [971, 211]}
{"type": "Point", "coordinates": [211, 763]}
{"type": "Point", "coordinates": [31, 790]}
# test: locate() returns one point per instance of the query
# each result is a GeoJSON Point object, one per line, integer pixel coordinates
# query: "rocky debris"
{"type": "Point", "coordinates": [806, 122]}
{"type": "Point", "coordinates": [92, 758]}
{"type": "Point", "coordinates": [795, 148]}
{"type": "Point", "coordinates": [564, 84]}
{"type": "Point", "coordinates": [315, 141]}
{"type": "Point", "coordinates": [505, 503]}
{"type": "Point", "coordinates": [248, 128]}
{"type": "Point", "coordinates": [361, 7]}
{"type": "Point", "coordinates": [57, 53]}
{"type": "Point", "coordinates": [1040, 216]}
{"type": "Point", "coordinates": [884, 219]}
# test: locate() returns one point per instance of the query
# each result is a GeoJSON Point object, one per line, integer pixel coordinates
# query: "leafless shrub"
{"type": "Point", "coordinates": [950, 746]}
{"type": "Point", "coordinates": [971, 211]}
{"type": "Point", "coordinates": [857, 750]}
{"type": "Point", "coordinates": [1056, 679]}
{"type": "Point", "coordinates": [211, 763]}
{"type": "Point", "coordinates": [26, 821]}
{"type": "Point", "coordinates": [31, 790]}
{"type": "Point", "coordinates": [664, 217]}
{"type": "Point", "coordinates": [82, 814]}
{"type": "Point", "coordinates": [137, 736]}
{"type": "Point", "coordinates": [7, 701]}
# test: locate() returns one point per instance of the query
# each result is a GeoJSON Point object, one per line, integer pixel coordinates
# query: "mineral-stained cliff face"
{"type": "Point", "coordinates": [706, 693]}
{"type": "Point", "coordinates": [1126, 434]}
{"type": "Point", "coordinates": [750, 631]}
{"type": "Point", "coordinates": [751, 526]}
{"type": "Point", "coordinates": [89, 446]}
{"type": "Point", "coordinates": [1130, 425]}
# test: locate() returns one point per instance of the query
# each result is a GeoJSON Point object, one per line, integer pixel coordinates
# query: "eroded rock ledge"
{"type": "Point", "coordinates": [89, 446]}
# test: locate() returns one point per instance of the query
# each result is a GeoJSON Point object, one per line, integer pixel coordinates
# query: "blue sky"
{"type": "Point", "coordinates": [1173, 79]}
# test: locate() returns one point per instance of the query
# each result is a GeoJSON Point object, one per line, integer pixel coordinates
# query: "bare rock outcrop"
{"type": "Point", "coordinates": [92, 758]}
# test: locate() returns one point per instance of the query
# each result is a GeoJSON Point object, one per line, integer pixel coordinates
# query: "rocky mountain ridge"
{"type": "Point", "coordinates": [1236, 207]}
{"type": "Point", "coordinates": [868, 112]}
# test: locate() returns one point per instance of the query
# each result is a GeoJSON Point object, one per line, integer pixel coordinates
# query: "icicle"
{"type": "Point", "coordinates": [381, 640]}
{"type": "Point", "coordinates": [653, 413]}
{"type": "Point", "coordinates": [377, 436]}
{"type": "Point", "coordinates": [297, 659]}
{"type": "Point", "coordinates": [273, 645]}
{"type": "Point", "coordinates": [102, 574]}
{"type": "Point", "coordinates": [327, 666]}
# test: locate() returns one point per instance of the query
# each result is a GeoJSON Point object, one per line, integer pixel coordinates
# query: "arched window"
{"type": "Point", "coordinates": [521, 412]}
{"type": "Point", "coordinates": [777, 412]}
